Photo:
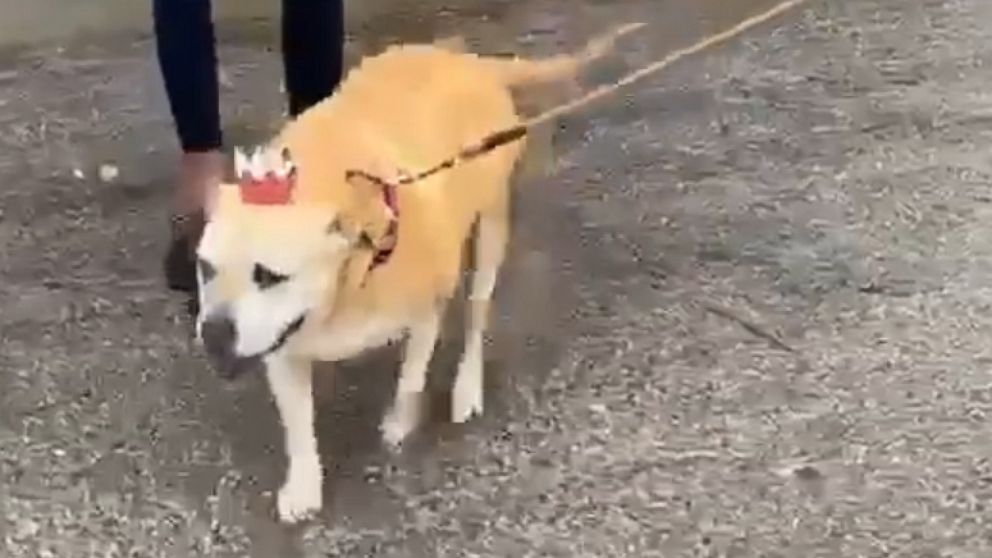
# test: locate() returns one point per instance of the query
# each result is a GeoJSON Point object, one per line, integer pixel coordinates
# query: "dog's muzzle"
{"type": "Point", "coordinates": [219, 339]}
{"type": "Point", "coordinates": [220, 336]}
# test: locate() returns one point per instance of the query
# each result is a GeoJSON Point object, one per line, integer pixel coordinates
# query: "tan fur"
{"type": "Point", "coordinates": [406, 108]}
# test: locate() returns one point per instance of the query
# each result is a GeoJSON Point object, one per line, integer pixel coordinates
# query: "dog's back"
{"type": "Point", "coordinates": [425, 104]}
{"type": "Point", "coordinates": [410, 107]}
{"type": "Point", "coordinates": [415, 105]}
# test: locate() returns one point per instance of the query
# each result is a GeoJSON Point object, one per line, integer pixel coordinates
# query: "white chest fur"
{"type": "Point", "coordinates": [349, 338]}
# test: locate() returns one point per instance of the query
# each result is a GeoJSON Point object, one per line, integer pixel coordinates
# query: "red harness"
{"type": "Point", "coordinates": [383, 252]}
{"type": "Point", "coordinates": [272, 188]}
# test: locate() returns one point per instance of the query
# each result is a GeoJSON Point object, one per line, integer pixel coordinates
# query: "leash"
{"type": "Point", "coordinates": [514, 133]}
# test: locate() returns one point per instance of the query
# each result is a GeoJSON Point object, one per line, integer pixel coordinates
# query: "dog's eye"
{"type": "Point", "coordinates": [207, 270]}
{"type": "Point", "coordinates": [266, 278]}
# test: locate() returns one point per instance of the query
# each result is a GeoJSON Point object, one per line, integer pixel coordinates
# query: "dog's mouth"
{"type": "Point", "coordinates": [230, 365]}
{"type": "Point", "coordinates": [287, 332]}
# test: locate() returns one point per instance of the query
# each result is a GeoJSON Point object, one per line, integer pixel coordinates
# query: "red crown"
{"type": "Point", "coordinates": [264, 178]}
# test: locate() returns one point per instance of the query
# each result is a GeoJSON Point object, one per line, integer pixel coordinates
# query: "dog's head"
{"type": "Point", "coordinates": [271, 257]}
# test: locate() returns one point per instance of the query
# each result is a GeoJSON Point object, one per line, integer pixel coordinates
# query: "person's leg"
{"type": "Point", "coordinates": [312, 50]}
{"type": "Point", "coordinates": [184, 35]}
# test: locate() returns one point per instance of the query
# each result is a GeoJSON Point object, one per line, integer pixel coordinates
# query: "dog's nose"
{"type": "Point", "coordinates": [218, 334]}
{"type": "Point", "coordinates": [219, 338]}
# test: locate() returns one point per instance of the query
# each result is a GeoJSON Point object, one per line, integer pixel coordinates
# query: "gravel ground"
{"type": "Point", "coordinates": [761, 286]}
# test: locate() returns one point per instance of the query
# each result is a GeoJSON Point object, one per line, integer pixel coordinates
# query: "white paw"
{"type": "Point", "coordinates": [401, 420]}
{"type": "Point", "coordinates": [466, 397]}
{"type": "Point", "coordinates": [301, 496]}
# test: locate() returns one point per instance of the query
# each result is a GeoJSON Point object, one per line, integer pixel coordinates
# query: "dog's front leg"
{"type": "Point", "coordinates": [291, 383]}
{"type": "Point", "coordinates": [405, 413]}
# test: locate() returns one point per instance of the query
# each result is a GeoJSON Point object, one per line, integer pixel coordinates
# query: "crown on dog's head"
{"type": "Point", "coordinates": [265, 178]}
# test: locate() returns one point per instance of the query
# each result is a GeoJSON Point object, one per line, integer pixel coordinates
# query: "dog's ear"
{"type": "Point", "coordinates": [367, 218]}
{"type": "Point", "coordinates": [349, 227]}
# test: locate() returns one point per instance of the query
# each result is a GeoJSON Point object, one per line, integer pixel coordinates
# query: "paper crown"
{"type": "Point", "coordinates": [267, 177]}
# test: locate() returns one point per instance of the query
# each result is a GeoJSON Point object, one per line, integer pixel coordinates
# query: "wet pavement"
{"type": "Point", "coordinates": [746, 314]}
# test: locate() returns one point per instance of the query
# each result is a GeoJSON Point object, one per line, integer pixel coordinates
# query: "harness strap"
{"type": "Point", "coordinates": [385, 249]}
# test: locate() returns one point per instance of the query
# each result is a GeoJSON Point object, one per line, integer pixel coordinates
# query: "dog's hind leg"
{"type": "Point", "coordinates": [405, 413]}
{"type": "Point", "coordinates": [490, 249]}
{"type": "Point", "coordinates": [291, 384]}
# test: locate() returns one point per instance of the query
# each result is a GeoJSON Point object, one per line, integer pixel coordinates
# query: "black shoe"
{"type": "Point", "coordinates": [180, 261]}
{"type": "Point", "coordinates": [193, 306]}
{"type": "Point", "coordinates": [180, 266]}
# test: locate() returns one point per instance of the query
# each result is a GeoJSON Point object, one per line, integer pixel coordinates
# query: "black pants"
{"type": "Point", "coordinates": [312, 45]}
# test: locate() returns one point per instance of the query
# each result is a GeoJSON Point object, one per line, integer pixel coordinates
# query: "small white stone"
{"type": "Point", "coordinates": [26, 529]}
{"type": "Point", "coordinates": [224, 78]}
{"type": "Point", "coordinates": [108, 172]}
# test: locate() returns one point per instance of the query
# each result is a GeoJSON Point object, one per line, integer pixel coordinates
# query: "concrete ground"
{"type": "Point", "coordinates": [747, 312]}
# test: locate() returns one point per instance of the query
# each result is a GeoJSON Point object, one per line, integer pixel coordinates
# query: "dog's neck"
{"type": "Point", "coordinates": [387, 244]}
{"type": "Point", "coordinates": [368, 256]}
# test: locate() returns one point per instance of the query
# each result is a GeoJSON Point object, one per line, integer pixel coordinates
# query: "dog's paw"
{"type": "Point", "coordinates": [466, 397]}
{"type": "Point", "coordinates": [301, 497]}
{"type": "Point", "coordinates": [402, 419]}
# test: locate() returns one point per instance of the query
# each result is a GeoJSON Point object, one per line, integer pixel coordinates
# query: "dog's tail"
{"type": "Point", "coordinates": [517, 72]}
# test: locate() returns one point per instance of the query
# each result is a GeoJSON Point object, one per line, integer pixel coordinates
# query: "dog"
{"type": "Point", "coordinates": [301, 260]}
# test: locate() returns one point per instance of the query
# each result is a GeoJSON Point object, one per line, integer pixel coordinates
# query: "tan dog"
{"type": "Point", "coordinates": [304, 260]}
{"type": "Point", "coordinates": [313, 257]}
{"type": "Point", "coordinates": [299, 263]}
